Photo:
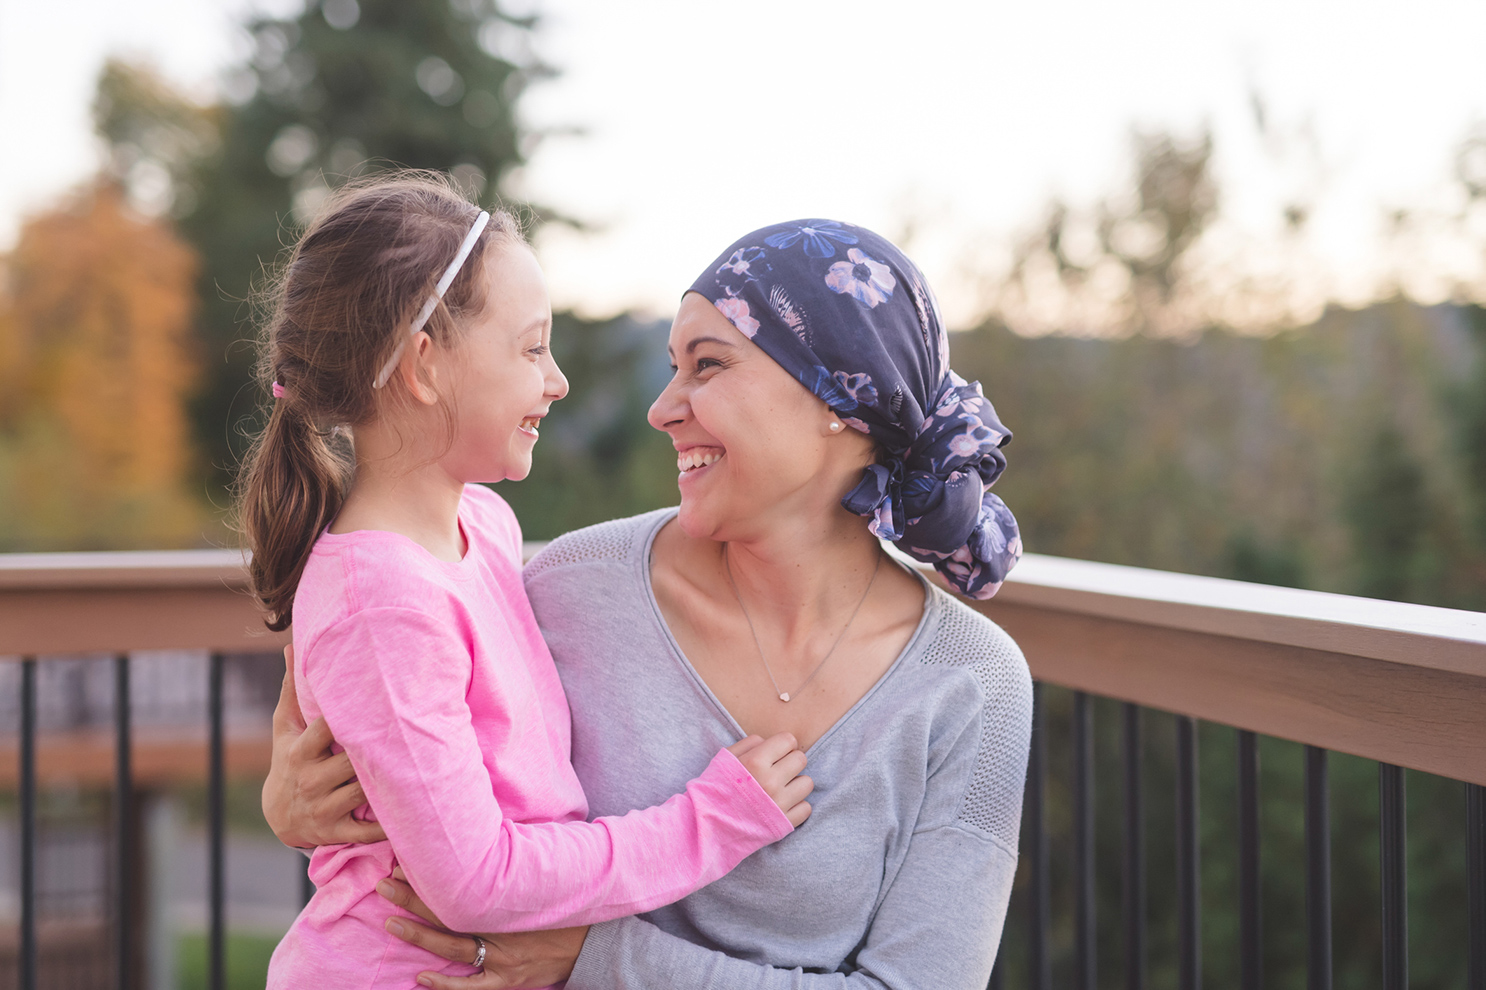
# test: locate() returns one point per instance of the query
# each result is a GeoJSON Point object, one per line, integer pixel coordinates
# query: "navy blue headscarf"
{"type": "Point", "coordinates": [844, 311]}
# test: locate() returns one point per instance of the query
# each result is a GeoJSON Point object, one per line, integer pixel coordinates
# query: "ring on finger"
{"type": "Point", "coordinates": [479, 962]}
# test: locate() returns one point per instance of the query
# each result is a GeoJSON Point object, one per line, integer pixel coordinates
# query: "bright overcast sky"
{"type": "Point", "coordinates": [954, 119]}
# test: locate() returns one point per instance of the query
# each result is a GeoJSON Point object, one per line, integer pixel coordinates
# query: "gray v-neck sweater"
{"type": "Point", "coordinates": [901, 876]}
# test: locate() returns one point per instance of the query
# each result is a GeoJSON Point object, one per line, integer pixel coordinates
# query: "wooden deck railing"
{"type": "Point", "coordinates": [1398, 683]}
{"type": "Point", "coordinates": [1401, 684]}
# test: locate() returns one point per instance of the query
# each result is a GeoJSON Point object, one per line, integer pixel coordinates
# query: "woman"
{"type": "Point", "coordinates": [812, 388]}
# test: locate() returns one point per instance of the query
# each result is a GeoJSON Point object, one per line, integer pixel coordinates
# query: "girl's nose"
{"type": "Point", "coordinates": [557, 382]}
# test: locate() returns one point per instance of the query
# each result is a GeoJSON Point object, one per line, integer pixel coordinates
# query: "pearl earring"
{"type": "Point", "coordinates": [835, 427]}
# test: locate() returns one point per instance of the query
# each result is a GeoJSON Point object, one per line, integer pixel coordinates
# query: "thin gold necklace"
{"type": "Point", "coordinates": [784, 695]}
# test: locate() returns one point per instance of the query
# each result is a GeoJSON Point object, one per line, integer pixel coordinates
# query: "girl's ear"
{"type": "Point", "coordinates": [419, 371]}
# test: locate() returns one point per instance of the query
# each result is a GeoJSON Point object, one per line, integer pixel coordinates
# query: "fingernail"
{"type": "Point", "coordinates": [394, 926]}
{"type": "Point", "coordinates": [425, 981]}
{"type": "Point", "coordinates": [384, 888]}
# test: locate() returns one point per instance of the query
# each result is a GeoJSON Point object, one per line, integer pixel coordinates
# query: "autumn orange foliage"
{"type": "Point", "coordinates": [95, 370]}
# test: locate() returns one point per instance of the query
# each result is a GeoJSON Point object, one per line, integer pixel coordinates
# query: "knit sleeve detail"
{"type": "Point", "coordinates": [609, 542]}
{"type": "Point", "coordinates": [992, 801]}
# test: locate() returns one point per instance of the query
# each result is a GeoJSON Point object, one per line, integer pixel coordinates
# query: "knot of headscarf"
{"type": "Point", "coordinates": [847, 314]}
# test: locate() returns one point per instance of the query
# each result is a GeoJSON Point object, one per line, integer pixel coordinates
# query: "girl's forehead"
{"type": "Point", "coordinates": [517, 293]}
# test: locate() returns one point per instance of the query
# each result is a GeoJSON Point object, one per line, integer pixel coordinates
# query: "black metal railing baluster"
{"type": "Point", "coordinates": [1392, 847]}
{"type": "Point", "coordinates": [124, 867]}
{"type": "Point", "coordinates": [1250, 916]}
{"type": "Point", "coordinates": [216, 800]}
{"type": "Point", "coordinates": [1039, 889]}
{"type": "Point", "coordinates": [1133, 897]}
{"type": "Point", "coordinates": [1317, 870]}
{"type": "Point", "coordinates": [1084, 931]}
{"type": "Point", "coordinates": [1189, 918]}
{"type": "Point", "coordinates": [1475, 871]}
{"type": "Point", "coordinates": [27, 799]}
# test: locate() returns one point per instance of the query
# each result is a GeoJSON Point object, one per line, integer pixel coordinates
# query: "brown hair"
{"type": "Point", "coordinates": [339, 307]}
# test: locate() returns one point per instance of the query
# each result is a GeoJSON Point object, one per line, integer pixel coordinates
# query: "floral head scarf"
{"type": "Point", "coordinates": [847, 314]}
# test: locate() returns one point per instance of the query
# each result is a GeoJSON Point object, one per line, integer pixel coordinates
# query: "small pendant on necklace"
{"type": "Point", "coordinates": [783, 695]}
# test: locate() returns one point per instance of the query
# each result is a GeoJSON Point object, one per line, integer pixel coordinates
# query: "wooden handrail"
{"type": "Point", "coordinates": [1421, 635]}
{"type": "Point", "coordinates": [122, 569]}
{"type": "Point", "coordinates": [1401, 683]}
{"type": "Point", "coordinates": [62, 603]}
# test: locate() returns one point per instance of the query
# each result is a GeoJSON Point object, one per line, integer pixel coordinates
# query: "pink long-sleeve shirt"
{"type": "Point", "coordinates": [434, 677]}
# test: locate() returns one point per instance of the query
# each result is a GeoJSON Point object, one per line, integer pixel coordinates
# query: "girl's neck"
{"type": "Point", "coordinates": [395, 493]}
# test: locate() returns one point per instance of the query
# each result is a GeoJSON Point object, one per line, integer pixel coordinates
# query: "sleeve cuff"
{"type": "Point", "coordinates": [726, 768]}
{"type": "Point", "coordinates": [596, 957]}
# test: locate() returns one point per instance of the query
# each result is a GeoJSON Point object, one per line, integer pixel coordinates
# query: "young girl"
{"type": "Point", "coordinates": [409, 360]}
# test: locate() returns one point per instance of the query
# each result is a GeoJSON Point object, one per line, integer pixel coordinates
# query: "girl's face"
{"type": "Point", "coordinates": [503, 376]}
{"type": "Point", "coordinates": [753, 445]}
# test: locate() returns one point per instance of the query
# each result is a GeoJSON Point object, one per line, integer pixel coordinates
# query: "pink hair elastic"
{"type": "Point", "coordinates": [278, 390]}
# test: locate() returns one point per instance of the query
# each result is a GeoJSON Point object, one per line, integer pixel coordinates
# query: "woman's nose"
{"type": "Point", "coordinates": [668, 409]}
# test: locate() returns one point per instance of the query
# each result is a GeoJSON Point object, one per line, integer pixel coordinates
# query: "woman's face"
{"type": "Point", "coordinates": [753, 445]}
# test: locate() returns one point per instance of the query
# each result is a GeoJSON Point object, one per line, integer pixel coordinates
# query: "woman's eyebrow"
{"type": "Point", "coordinates": [695, 342]}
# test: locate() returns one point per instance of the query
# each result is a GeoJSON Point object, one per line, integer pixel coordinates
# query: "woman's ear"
{"type": "Point", "coordinates": [418, 369]}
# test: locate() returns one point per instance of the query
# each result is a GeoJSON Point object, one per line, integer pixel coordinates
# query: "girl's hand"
{"type": "Point", "coordinates": [310, 792]}
{"type": "Point", "coordinates": [512, 961]}
{"type": "Point", "coordinates": [776, 763]}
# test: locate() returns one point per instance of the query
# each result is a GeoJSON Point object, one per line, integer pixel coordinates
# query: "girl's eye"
{"type": "Point", "coordinates": [539, 350]}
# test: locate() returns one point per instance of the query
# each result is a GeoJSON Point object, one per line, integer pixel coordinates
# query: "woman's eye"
{"type": "Point", "coordinates": [704, 363]}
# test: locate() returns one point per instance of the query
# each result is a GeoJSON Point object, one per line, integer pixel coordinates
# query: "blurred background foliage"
{"type": "Point", "coordinates": [1155, 424]}
{"type": "Point", "coordinates": [96, 364]}
{"type": "Point", "coordinates": [1346, 454]}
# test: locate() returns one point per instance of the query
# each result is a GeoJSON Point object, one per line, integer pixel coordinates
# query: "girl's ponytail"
{"type": "Point", "coordinates": [293, 487]}
{"type": "Point", "coordinates": [340, 308]}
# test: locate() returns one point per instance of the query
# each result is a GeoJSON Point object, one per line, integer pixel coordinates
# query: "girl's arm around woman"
{"type": "Point", "coordinates": [408, 728]}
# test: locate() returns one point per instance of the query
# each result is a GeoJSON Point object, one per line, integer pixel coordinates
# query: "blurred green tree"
{"type": "Point", "coordinates": [1337, 456]}
{"type": "Point", "coordinates": [1123, 264]}
{"type": "Point", "coordinates": [1469, 400]}
{"type": "Point", "coordinates": [1386, 508]}
{"type": "Point", "coordinates": [158, 139]}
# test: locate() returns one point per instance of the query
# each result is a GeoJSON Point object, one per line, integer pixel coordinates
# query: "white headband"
{"type": "Point", "coordinates": [438, 293]}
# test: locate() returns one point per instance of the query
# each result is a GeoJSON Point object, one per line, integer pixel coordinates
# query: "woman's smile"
{"type": "Point", "coordinates": [694, 460]}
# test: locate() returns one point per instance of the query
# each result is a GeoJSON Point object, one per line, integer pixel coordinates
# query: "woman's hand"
{"type": "Point", "coordinates": [310, 792]}
{"type": "Point", "coordinates": [512, 961]}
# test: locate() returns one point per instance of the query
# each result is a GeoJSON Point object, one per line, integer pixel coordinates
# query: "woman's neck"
{"type": "Point", "coordinates": [395, 493]}
{"type": "Point", "coordinates": [794, 578]}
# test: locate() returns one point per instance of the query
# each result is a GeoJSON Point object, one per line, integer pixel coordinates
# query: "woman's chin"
{"type": "Point", "coordinates": [695, 520]}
